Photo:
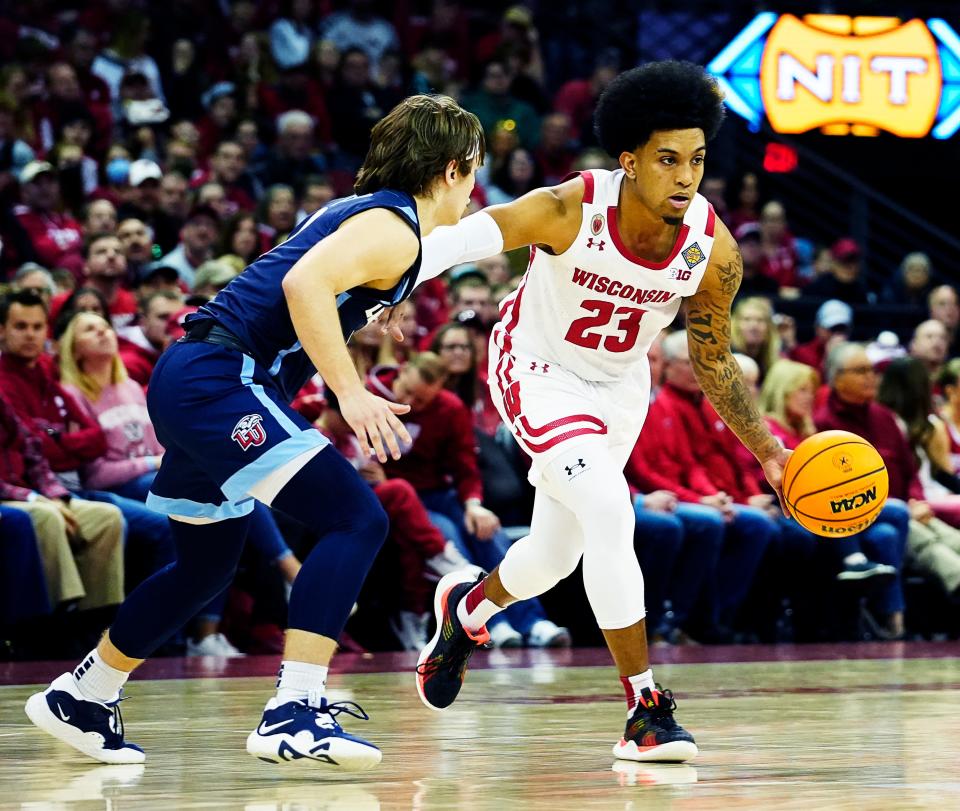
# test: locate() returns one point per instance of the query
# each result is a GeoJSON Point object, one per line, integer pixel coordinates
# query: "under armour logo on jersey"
{"type": "Point", "coordinates": [596, 243]}
{"type": "Point", "coordinates": [575, 469]}
{"type": "Point", "coordinates": [249, 432]}
{"type": "Point", "coordinates": [534, 365]}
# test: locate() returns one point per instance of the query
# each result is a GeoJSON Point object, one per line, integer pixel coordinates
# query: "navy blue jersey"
{"type": "Point", "coordinates": [254, 308]}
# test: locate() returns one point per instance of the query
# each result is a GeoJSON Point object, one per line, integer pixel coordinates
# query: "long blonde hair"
{"type": "Point", "coordinates": [70, 371]}
{"type": "Point", "coordinates": [769, 352]}
{"type": "Point", "coordinates": [782, 380]}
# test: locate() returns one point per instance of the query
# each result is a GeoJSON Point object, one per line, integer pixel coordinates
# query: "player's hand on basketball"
{"type": "Point", "coordinates": [480, 522]}
{"type": "Point", "coordinates": [660, 501]}
{"type": "Point", "coordinates": [389, 321]}
{"type": "Point", "coordinates": [773, 470]}
{"type": "Point", "coordinates": [920, 511]}
{"type": "Point", "coordinates": [374, 421]}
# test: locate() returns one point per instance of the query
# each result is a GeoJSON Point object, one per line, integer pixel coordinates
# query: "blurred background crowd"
{"type": "Point", "coordinates": [146, 158]}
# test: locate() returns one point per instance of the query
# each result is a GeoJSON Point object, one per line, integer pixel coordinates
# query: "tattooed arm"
{"type": "Point", "coordinates": [708, 334]}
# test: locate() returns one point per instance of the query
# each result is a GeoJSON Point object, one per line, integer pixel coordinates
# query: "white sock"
{"type": "Point", "coordinates": [300, 681]}
{"type": "Point", "coordinates": [632, 685]}
{"type": "Point", "coordinates": [475, 610]}
{"type": "Point", "coordinates": [97, 681]}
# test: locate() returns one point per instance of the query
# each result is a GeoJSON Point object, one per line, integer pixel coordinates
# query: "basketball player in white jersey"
{"type": "Point", "coordinates": [613, 255]}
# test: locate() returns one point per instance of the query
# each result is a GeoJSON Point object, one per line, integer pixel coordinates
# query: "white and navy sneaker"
{"type": "Point", "coordinates": [296, 731]}
{"type": "Point", "coordinates": [90, 727]}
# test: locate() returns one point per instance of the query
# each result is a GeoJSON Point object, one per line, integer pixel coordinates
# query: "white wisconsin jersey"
{"type": "Point", "coordinates": [596, 308]}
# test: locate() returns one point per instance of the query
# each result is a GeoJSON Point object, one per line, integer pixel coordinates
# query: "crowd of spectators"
{"type": "Point", "coordinates": [145, 162]}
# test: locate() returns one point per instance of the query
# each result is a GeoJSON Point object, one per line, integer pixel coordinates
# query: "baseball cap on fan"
{"type": "Point", "coordinates": [834, 314]}
{"type": "Point", "coordinates": [143, 169]}
{"type": "Point", "coordinates": [34, 169]}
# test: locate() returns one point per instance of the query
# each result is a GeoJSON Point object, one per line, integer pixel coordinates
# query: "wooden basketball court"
{"type": "Point", "coordinates": [871, 726]}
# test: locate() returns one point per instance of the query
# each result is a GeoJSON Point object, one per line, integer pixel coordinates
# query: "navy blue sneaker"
{"type": "Point", "coordinates": [442, 665]}
{"type": "Point", "coordinates": [652, 734]}
{"type": "Point", "coordinates": [297, 732]}
{"type": "Point", "coordinates": [90, 727]}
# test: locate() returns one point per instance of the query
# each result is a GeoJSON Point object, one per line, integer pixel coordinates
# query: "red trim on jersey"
{"type": "Point", "coordinates": [614, 229]}
{"type": "Point", "coordinates": [542, 447]}
{"type": "Point", "coordinates": [588, 184]}
{"type": "Point", "coordinates": [551, 426]}
{"type": "Point", "coordinates": [711, 221]}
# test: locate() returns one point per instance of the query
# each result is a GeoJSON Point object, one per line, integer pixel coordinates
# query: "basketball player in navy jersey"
{"type": "Point", "coordinates": [219, 399]}
{"type": "Point", "coordinates": [614, 255]}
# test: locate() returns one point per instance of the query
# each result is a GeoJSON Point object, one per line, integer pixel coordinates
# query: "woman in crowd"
{"type": "Point", "coordinates": [753, 332]}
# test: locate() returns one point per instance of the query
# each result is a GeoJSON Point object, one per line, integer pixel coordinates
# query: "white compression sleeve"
{"type": "Point", "coordinates": [475, 237]}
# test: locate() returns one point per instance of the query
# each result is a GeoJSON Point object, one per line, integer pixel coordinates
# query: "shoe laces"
{"type": "Point", "coordinates": [333, 709]}
{"type": "Point", "coordinates": [664, 709]}
{"type": "Point", "coordinates": [116, 721]}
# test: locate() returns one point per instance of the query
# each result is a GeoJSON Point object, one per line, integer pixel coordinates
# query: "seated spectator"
{"type": "Point", "coordinates": [140, 345]}
{"type": "Point", "coordinates": [453, 344]}
{"type": "Point", "coordinates": [780, 260]}
{"type": "Point", "coordinates": [292, 34]}
{"type": "Point", "coordinates": [442, 466]}
{"type": "Point", "coordinates": [106, 270]}
{"type": "Point", "coordinates": [519, 174]}
{"type": "Point", "coordinates": [241, 237]}
{"type": "Point", "coordinates": [35, 278]}
{"type": "Point", "coordinates": [277, 213]}
{"type": "Point", "coordinates": [15, 153]}
{"type": "Point", "coordinates": [317, 192]}
{"type": "Point", "coordinates": [754, 282]}
{"type": "Point", "coordinates": [27, 474]}
{"type": "Point", "coordinates": [943, 305]}
{"type": "Point", "coordinates": [228, 167]}
{"type": "Point", "coordinates": [677, 451]}
{"type": "Point", "coordinates": [155, 278]}
{"type": "Point", "coordinates": [746, 201]}
{"type": "Point", "coordinates": [578, 97]}
{"type": "Point", "coordinates": [492, 101]}
{"type": "Point", "coordinates": [99, 217]}
{"type": "Point", "coordinates": [197, 237]}
{"type": "Point", "coordinates": [929, 345]}
{"type": "Point", "coordinates": [81, 300]}
{"type": "Point", "coordinates": [831, 326]}
{"type": "Point", "coordinates": [934, 544]}
{"type": "Point", "coordinates": [753, 333]}
{"type": "Point", "coordinates": [555, 154]}
{"type": "Point", "coordinates": [913, 283]}
{"type": "Point", "coordinates": [53, 237]}
{"type": "Point", "coordinates": [852, 406]}
{"type": "Point", "coordinates": [136, 241]}
{"type": "Point", "coordinates": [212, 276]}
{"type": "Point", "coordinates": [144, 202]}
{"type": "Point", "coordinates": [294, 156]}
{"type": "Point", "coordinates": [845, 280]}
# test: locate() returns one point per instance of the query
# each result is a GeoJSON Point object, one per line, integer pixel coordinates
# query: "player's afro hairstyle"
{"type": "Point", "coordinates": [667, 95]}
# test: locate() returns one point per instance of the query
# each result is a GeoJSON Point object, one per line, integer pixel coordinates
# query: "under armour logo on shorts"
{"type": "Point", "coordinates": [596, 243]}
{"type": "Point", "coordinates": [249, 432]}
{"type": "Point", "coordinates": [534, 365]}
{"type": "Point", "coordinates": [576, 469]}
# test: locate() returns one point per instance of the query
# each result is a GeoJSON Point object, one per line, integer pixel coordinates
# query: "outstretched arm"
{"type": "Point", "coordinates": [546, 216]}
{"type": "Point", "coordinates": [708, 333]}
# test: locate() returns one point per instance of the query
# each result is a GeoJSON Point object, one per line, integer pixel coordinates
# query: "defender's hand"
{"type": "Point", "coordinates": [374, 421]}
{"type": "Point", "coordinates": [389, 321]}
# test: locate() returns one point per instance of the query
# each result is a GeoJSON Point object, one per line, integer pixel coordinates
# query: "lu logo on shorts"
{"type": "Point", "coordinates": [249, 432]}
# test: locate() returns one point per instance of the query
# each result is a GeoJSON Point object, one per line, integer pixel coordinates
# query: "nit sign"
{"type": "Point", "coordinates": [844, 75]}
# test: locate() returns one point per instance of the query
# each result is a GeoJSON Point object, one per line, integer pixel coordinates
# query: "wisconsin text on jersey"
{"type": "Point", "coordinates": [612, 287]}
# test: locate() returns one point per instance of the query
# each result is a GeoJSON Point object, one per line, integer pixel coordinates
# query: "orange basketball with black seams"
{"type": "Point", "coordinates": [835, 483]}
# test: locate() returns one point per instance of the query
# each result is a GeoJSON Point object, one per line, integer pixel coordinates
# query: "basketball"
{"type": "Point", "coordinates": [835, 483]}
